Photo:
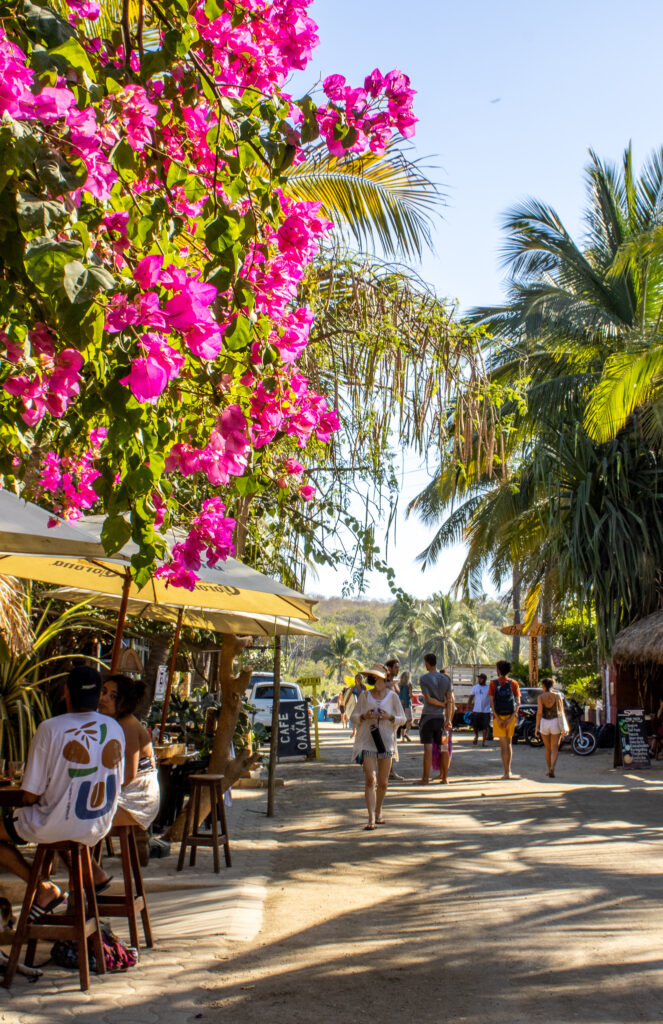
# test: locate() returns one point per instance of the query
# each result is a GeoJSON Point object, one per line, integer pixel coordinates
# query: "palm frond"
{"type": "Point", "coordinates": [385, 199]}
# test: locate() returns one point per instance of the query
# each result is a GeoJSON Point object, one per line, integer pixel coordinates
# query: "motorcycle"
{"type": "Point", "coordinates": [526, 727]}
{"type": "Point", "coordinates": [581, 735]}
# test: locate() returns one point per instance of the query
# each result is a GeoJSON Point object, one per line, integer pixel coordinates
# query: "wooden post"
{"type": "Point", "coordinates": [274, 738]}
{"type": "Point", "coordinates": [533, 660]}
{"type": "Point", "coordinates": [171, 673]}
{"type": "Point", "coordinates": [121, 616]}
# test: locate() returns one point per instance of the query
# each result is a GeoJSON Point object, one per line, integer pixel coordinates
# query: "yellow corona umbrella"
{"type": "Point", "coordinates": [237, 623]}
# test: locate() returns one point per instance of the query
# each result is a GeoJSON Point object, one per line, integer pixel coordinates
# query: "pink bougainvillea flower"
{"type": "Point", "coordinates": [89, 9]}
{"type": "Point", "coordinates": [205, 340]}
{"type": "Point", "coordinates": [307, 492]}
{"type": "Point", "coordinates": [148, 271]}
{"type": "Point", "coordinates": [13, 353]}
{"type": "Point", "coordinates": [147, 379]}
{"type": "Point", "coordinates": [374, 83]}
{"type": "Point", "coordinates": [293, 466]}
{"type": "Point", "coordinates": [52, 103]}
{"type": "Point", "coordinates": [334, 86]}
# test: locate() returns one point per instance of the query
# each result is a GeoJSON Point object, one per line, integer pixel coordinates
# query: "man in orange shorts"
{"type": "Point", "coordinates": [504, 703]}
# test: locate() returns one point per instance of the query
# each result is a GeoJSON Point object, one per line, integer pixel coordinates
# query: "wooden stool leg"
{"type": "Point", "coordinates": [128, 887]}
{"type": "Point", "coordinates": [215, 826]}
{"type": "Point", "coordinates": [92, 910]}
{"type": "Point", "coordinates": [30, 892]}
{"type": "Point", "coordinates": [140, 888]}
{"type": "Point", "coordinates": [224, 826]}
{"type": "Point", "coordinates": [196, 827]}
{"type": "Point", "coordinates": [79, 917]}
{"type": "Point", "coordinates": [186, 833]}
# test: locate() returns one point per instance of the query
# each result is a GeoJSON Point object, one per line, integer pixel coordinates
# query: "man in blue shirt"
{"type": "Point", "coordinates": [436, 718]}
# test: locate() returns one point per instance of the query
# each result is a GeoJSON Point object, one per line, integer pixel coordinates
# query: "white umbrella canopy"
{"type": "Point", "coordinates": [25, 530]}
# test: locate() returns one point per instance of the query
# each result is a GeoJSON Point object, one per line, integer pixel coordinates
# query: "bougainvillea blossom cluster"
{"type": "Point", "coordinates": [167, 271]}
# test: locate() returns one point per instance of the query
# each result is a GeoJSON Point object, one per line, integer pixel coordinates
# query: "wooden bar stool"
{"type": "Point", "coordinates": [192, 836]}
{"type": "Point", "coordinates": [133, 899]}
{"type": "Point", "coordinates": [81, 920]}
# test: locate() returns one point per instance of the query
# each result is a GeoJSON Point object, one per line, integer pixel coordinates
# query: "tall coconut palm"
{"type": "Point", "coordinates": [440, 629]}
{"type": "Point", "coordinates": [340, 653]}
{"type": "Point", "coordinates": [568, 507]}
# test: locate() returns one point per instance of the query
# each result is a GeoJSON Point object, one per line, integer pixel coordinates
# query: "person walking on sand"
{"type": "Point", "coordinates": [550, 722]}
{"type": "Point", "coordinates": [377, 716]}
{"type": "Point", "coordinates": [480, 708]}
{"type": "Point", "coordinates": [405, 697]}
{"type": "Point", "coordinates": [437, 717]}
{"type": "Point", "coordinates": [393, 668]}
{"type": "Point", "coordinates": [504, 704]}
{"type": "Point", "coordinates": [341, 708]}
{"type": "Point", "coordinates": [352, 696]}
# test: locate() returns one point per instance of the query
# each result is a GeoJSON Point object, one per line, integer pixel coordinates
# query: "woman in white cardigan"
{"type": "Point", "coordinates": [377, 715]}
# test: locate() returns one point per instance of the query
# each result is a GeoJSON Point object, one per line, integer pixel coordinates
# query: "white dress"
{"type": "Point", "coordinates": [363, 741]}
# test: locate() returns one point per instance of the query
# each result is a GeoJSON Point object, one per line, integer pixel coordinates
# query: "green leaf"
{"type": "Point", "coordinates": [46, 25]}
{"type": "Point", "coordinates": [57, 174]}
{"type": "Point", "coordinates": [81, 283]}
{"type": "Point", "coordinates": [37, 215]}
{"type": "Point", "coordinates": [45, 263]}
{"type": "Point", "coordinates": [115, 533]}
{"type": "Point", "coordinates": [221, 233]}
{"type": "Point", "coordinates": [74, 53]}
{"type": "Point", "coordinates": [240, 335]}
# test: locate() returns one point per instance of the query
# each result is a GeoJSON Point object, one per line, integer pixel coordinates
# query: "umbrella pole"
{"type": "Point", "coordinates": [121, 616]}
{"type": "Point", "coordinates": [171, 672]}
{"type": "Point", "coordinates": [274, 737]}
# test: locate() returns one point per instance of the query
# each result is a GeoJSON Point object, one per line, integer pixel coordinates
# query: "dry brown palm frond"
{"type": "Point", "coordinates": [14, 619]}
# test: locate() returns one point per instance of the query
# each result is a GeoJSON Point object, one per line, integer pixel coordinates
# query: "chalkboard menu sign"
{"type": "Point", "coordinates": [632, 738]}
{"type": "Point", "coordinates": [294, 736]}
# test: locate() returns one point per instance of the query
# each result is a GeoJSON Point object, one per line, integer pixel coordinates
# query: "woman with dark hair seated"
{"type": "Point", "coordinates": [139, 796]}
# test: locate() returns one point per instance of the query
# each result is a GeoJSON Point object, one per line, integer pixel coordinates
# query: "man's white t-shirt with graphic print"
{"type": "Point", "coordinates": [76, 765]}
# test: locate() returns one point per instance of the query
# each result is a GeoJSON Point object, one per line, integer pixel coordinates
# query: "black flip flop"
{"type": "Point", "coordinates": [102, 886]}
{"type": "Point", "coordinates": [37, 912]}
{"type": "Point", "coordinates": [370, 827]}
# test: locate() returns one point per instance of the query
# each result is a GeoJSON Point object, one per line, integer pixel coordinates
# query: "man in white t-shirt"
{"type": "Point", "coordinates": [480, 707]}
{"type": "Point", "coordinates": [71, 784]}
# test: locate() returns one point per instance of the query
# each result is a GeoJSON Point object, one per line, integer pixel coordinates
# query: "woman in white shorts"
{"type": "Point", "coordinates": [550, 721]}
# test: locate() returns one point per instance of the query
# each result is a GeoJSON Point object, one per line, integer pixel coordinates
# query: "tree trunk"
{"type": "Point", "coordinates": [546, 617]}
{"type": "Point", "coordinates": [158, 655]}
{"type": "Point", "coordinates": [515, 589]}
{"type": "Point", "coordinates": [221, 762]}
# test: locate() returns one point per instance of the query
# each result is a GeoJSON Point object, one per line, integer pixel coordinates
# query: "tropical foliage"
{"type": "Point", "coordinates": [25, 678]}
{"type": "Point", "coordinates": [340, 654]}
{"type": "Point", "coordinates": [152, 261]}
{"type": "Point", "coordinates": [573, 507]}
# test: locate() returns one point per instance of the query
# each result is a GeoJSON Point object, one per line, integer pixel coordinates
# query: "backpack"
{"type": "Point", "coordinates": [504, 700]}
{"type": "Point", "coordinates": [118, 957]}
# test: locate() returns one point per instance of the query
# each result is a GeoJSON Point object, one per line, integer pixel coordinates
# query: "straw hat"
{"type": "Point", "coordinates": [376, 670]}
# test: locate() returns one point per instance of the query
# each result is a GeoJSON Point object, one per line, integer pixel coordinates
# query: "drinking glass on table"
{"type": "Point", "coordinates": [16, 769]}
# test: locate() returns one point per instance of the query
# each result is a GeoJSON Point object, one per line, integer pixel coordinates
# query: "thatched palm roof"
{"type": "Point", "coordinates": [641, 641]}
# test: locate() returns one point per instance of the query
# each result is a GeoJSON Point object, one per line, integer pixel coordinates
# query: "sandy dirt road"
{"type": "Point", "coordinates": [485, 901]}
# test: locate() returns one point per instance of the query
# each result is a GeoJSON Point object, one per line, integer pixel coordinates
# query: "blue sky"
{"type": "Point", "coordinates": [566, 77]}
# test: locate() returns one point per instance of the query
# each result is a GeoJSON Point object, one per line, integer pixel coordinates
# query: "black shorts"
{"type": "Point", "coordinates": [480, 720]}
{"type": "Point", "coordinates": [431, 729]}
{"type": "Point", "coordinates": [10, 827]}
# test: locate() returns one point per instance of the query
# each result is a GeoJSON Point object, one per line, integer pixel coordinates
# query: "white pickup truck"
{"type": "Point", "coordinates": [261, 696]}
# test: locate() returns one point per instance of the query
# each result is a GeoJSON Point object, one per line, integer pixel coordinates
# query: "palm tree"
{"type": "Point", "coordinates": [562, 507]}
{"type": "Point", "coordinates": [440, 629]}
{"type": "Point", "coordinates": [385, 200]}
{"type": "Point", "coordinates": [340, 653]}
{"type": "Point", "coordinates": [475, 640]}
